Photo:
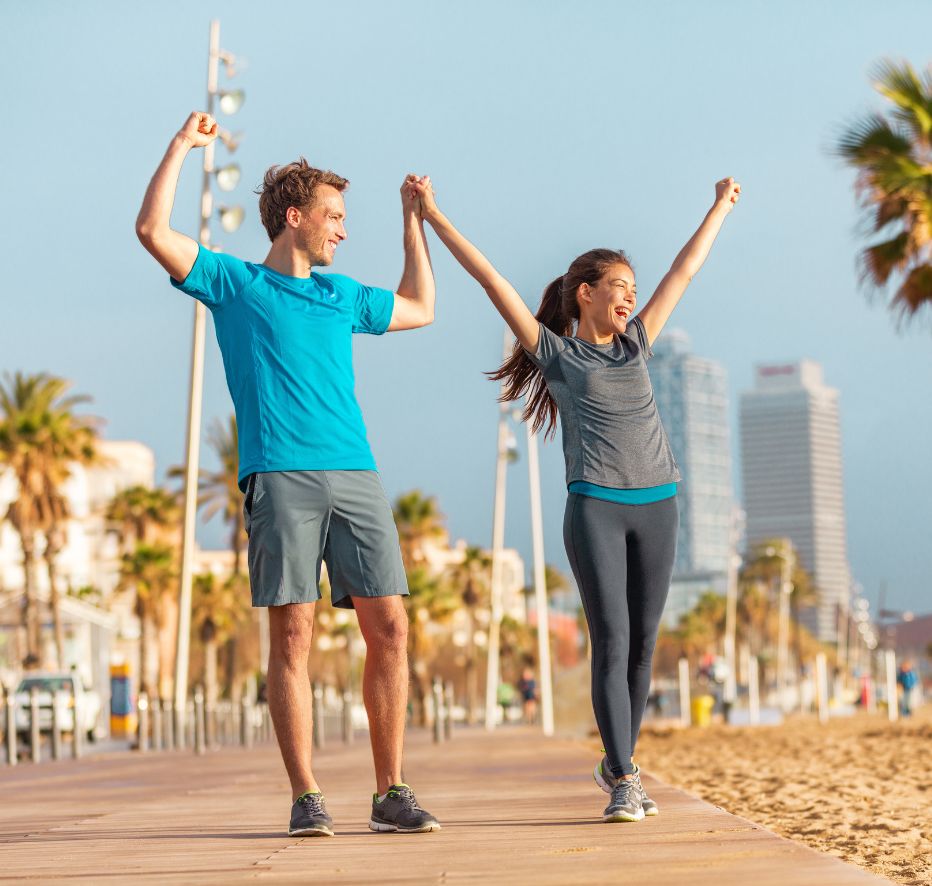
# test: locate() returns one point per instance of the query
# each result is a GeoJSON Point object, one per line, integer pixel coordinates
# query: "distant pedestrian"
{"type": "Point", "coordinates": [527, 686]}
{"type": "Point", "coordinates": [908, 679]}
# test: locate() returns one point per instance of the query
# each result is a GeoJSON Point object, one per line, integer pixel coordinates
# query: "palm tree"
{"type": "Point", "coordinates": [430, 600]}
{"type": "Point", "coordinates": [472, 578]}
{"type": "Point", "coordinates": [218, 610]}
{"type": "Point", "coordinates": [803, 595]}
{"type": "Point", "coordinates": [518, 646]}
{"type": "Point", "coordinates": [219, 493]}
{"type": "Point", "coordinates": [418, 519]}
{"type": "Point", "coordinates": [699, 629]}
{"type": "Point", "coordinates": [143, 514]}
{"type": "Point", "coordinates": [219, 490]}
{"type": "Point", "coordinates": [40, 438]}
{"type": "Point", "coordinates": [149, 571]}
{"type": "Point", "coordinates": [893, 158]}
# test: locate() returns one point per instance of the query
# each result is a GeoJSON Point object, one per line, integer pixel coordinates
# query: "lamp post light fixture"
{"type": "Point", "coordinates": [231, 217]}
{"type": "Point", "coordinates": [230, 102]}
{"type": "Point", "coordinates": [227, 176]}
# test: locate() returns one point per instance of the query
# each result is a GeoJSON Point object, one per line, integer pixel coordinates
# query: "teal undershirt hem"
{"type": "Point", "coordinates": [644, 496]}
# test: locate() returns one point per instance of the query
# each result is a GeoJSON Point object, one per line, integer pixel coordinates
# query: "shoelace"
{"type": "Point", "coordinates": [312, 803]}
{"type": "Point", "coordinates": [621, 791]}
{"type": "Point", "coordinates": [406, 795]}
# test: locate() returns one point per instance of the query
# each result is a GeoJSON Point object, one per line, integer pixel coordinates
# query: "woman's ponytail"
{"type": "Point", "coordinates": [521, 375]}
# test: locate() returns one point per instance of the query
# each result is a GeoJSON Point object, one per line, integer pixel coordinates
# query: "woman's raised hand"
{"type": "Point", "coordinates": [425, 192]}
{"type": "Point", "coordinates": [727, 193]}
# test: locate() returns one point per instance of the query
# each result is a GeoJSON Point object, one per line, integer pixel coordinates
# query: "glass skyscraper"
{"type": "Point", "coordinates": [692, 397]}
{"type": "Point", "coordinates": [792, 479]}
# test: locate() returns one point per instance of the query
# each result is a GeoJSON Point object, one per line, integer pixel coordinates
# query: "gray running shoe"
{"type": "Point", "coordinates": [650, 807]}
{"type": "Point", "coordinates": [625, 804]}
{"type": "Point", "coordinates": [309, 817]}
{"type": "Point", "coordinates": [399, 812]}
{"type": "Point", "coordinates": [605, 780]}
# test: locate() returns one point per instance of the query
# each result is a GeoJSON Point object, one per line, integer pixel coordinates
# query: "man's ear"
{"type": "Point", "coordinates": [293, 216]}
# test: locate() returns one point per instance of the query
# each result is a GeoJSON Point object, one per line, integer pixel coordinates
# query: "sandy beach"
{"type": "Point", "coordinates": [859, 787]}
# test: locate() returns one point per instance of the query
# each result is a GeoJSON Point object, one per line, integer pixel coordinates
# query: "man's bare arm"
{"type": "Point", "coordinates": [173, 251]}
{"type": "Point", "coordinates": [414, 299]}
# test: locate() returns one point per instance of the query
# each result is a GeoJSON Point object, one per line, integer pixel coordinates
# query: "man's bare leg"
{"type": "Point", "coordinates": [384, 625]}
{"type": "Point", "coordinates": [289, 690]}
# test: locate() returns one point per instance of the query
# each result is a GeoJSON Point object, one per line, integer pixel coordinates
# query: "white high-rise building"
{"type": "Point", "coordinates": [792, 478]}
{"type": "Point", "coordinates": [692, 397]}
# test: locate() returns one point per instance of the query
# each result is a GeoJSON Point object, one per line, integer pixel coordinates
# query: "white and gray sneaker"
{"type": "Point", "coordinates": [397, 810]}
{"type": "Point", "coordinates": [625, 804]}
{"type": "Point", "coordinates": [605, 780]}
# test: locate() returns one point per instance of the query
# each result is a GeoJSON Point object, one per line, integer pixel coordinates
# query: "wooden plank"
{"type": "Point", "coordinates": [515, 808]}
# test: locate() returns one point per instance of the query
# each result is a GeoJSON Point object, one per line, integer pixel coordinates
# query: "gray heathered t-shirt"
{"type": "Point", "coordinates": [612, 435]}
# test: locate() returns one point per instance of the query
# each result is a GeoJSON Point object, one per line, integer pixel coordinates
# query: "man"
{"type": "Point", "coordinates": [311, 486]}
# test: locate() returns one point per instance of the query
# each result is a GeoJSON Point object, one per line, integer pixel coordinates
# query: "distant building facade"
{"type": "Point", "coordinates": [792, 479]}
{"type": "Point", "coordinates": [692, 397]}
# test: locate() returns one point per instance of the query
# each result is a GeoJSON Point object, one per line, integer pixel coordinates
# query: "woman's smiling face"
{"type": "Point", "coordinates": [609, 303]}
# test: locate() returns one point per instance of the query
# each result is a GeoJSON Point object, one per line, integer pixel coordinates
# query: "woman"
{"type": "Point", "coordinates": [584, 355]}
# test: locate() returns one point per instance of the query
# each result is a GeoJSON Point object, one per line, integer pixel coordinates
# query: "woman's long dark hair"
{"type": "Point", "coordinates": [558, 311]}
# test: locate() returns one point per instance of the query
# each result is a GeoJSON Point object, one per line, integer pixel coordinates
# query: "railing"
{"type": "Point", "coordinates": [32, 730]}
{"type": "Point", "coordinates": [208, 726]}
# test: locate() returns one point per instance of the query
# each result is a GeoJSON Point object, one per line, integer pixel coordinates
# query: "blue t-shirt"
{"type": "Point", "coordinates": [287, 352]}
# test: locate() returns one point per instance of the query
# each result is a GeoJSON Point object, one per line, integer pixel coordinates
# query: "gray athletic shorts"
{"type": "Point", "coordinates": [296, 519]}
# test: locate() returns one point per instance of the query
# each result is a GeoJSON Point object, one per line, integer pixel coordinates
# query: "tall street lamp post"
{"type": "Point", "coordinates": [230, 219]}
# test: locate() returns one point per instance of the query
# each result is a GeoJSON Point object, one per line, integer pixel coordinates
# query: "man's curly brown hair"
{"type": "Point", "coordinates": [294, 184]}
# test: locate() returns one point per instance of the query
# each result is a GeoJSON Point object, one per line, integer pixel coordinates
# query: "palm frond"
{"type": "Point", "coordinates": [910, 92]}
{"type": "Point", "coordinates": [871, 137]}
{"type": "Point", "coordinates": [882, 259]}
{"type": "Point", "coordinates": [915, 291]}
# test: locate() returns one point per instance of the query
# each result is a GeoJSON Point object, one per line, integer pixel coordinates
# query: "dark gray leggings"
{"type": "Point", "coordinates": [622, 558]}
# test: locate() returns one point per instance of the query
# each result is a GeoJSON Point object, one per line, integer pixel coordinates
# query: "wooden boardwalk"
{"type": "Point", "coordinates": [515, 808]}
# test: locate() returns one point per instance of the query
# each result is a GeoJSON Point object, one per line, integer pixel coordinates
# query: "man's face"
{"type": "Point", "coordinates": [321, 228]}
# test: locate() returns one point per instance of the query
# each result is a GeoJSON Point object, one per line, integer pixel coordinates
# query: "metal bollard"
{"type": "Point", "coordinates": [35, 736]}
{"type": "Point", "coordinates": [438, 710]}
{"type": "Point", "coordinates": [448, 711]}
{"type": "Point", "coordinates": [210, 724]}
{"type": "Point", "coordinates": [191, 722]}
{"type": "Point", "coordinates": [142, 707]}
{"type": "Point", "coordinates": [56, 725]}
{"type": "Point", "coordinates": [235, 712]}
{"type": "Point", "coordinates": [683, 673]}
{"type": "Point", "coordinates": [227, 721]}
{"type": "Point", "coordinates": [168, 724]}
{"type": "Point", "coordinates": [156, 724]}
{"type": "Point", "coordinates": [245, 722]}
{"type": "Point", "coordinates": [11, 742]}
{"type": "Point", "coordinates": [317, 720]}
{"type": "Point", "coordinates": [200, 731]}
{"type": "Point", "coordinates": [753, 691]}
{"type": "Point", "coordinates": [180, 730]}
{"type": "Point", "coordinates": [77, 731]}
{"type": "Point", "coordinates": [347, 717]}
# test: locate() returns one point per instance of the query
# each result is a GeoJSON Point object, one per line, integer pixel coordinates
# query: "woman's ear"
{"type": "Point", "coordinates": [583, 292]}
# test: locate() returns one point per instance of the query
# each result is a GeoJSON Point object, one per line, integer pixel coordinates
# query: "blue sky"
{"type": "Point", "coordinates": [547, 130]}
